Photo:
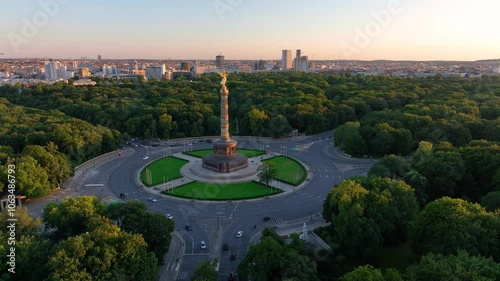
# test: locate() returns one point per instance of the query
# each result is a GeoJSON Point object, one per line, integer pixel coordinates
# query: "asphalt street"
{"type": "Point", "coordinates": [217, 223]}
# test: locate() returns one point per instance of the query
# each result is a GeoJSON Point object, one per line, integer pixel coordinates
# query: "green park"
{"type": "Point", "coordinates": [163, 170]}
{"type": "Point", "coordinates": [213, 191]}
{"type": "Point", "coordinates": [288, 170]}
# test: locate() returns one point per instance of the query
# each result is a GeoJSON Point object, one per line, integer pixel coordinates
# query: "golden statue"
{"type": "Point", "coordinates": [224, 79]}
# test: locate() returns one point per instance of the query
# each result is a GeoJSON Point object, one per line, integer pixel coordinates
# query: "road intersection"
{"type": "Point", "coordinates": [216, 222]}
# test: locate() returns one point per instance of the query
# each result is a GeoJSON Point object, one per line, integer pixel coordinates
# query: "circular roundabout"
{"type": "Point", "coordinates": [183, 175]}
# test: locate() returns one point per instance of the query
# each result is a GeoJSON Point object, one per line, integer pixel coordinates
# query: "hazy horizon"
{"type": "Point", "coordinates": [251, 30]}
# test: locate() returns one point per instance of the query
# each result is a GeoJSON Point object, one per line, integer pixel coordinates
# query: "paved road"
{"type": "Point", "coordinates": [217, 223]}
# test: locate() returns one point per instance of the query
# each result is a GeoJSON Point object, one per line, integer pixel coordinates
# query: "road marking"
{"type": "Point", "coordinates": [94, 184]}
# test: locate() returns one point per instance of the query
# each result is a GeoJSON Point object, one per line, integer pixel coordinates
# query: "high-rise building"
{"type": "Point", "coordinates": [62, 72]}
{"type": "Point", "coordinates": [51, 70]}
{"type": "Point", "coordinates": [303, 64]}
{"type": "Point", "coordinates": [298, 55]}
{"type": "Point", "coordinates": [286, 59]}
{"type": "Point", "coordinates": [155, 71]}
{"type": "Point", "coordinates": [99, 57]}
{"type": "Point", "coordinates": [219, 61]}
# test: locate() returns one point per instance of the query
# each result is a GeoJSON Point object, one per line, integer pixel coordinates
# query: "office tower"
{"type": "Point", "coordinates": [304, 64]}
{"type": "Point", "coordinates": [298, 54]}
{"type": "Point", "coordinates": [219, 61]}
{"type": "Point", "coordinates": [62, 72]}
{"type": "Point", "coordinates": [286, 59]}
{"type": "Point", "coordinates": [155, 71]}
{"type": "Point", "coordinates": [193, 66]}
{"type": "Point", "coordinates": [51, 70]}
{"type": "Point", "coordinates": [99, 57]}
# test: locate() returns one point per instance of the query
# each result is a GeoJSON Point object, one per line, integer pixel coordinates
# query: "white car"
{"type": "Point", "coordinates": [145, 157]}
{"type": "Point", "coordinates": [152, 199]}
{"type": "Point", "coordinates": [169, 216]}
{"type": "Point", "coordinates": [239, 234]}
{"type": "Point", "coordinates": [203, 245]}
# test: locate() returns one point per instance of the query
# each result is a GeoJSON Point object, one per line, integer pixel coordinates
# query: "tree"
{"type": "Point", "coordinates": [462, 266]}
{"type": "Point", "coordinates": [447, 225]}
{"type": "Point", "coordinates": [443, 170]}
{"type": "Point", "coordinates": [32, 180]}
{"type": "Point", "coordinates": [72, 216]}
{"type": "Point", "coordinates": [205, 271]}
{"type": "Point", "coordinates": [273, 260]}
{"type": "Point", "coordinates": [25, 224]}
{"type": "Point", "coordinates": [32, 256]}
{"type": "Point", "coordinates": [154, 228]}
{"type": "Point", "coordinates": [348, 138]}
{"type": "Point", "coordinates": [103, 253]}
{"type": "Point", "coordinates": [267, 172]}
{"type": "Point", "coordinates": [54, 162]}
{"type": "Point", "coordinates": [390, 166]}
{"type": "Point", "coordinates": [491, 201]}
{"type": "Point", "coordinates": [256, 119]}
{"type": "Point", "coordinates": [369, 273]}
{"type": "Point", "coordinates": [369, 212]}
{"type": "Point", "coordinates": [419, 184]}
{"type": "Point", "coordinates": [279, 126]}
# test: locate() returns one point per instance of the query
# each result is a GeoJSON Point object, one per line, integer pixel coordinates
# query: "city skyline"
{"type": "Point", "coordinates": [242, 29]}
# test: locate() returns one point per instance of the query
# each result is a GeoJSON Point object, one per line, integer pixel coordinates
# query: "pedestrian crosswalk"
{"type": "Point", "coordinates": [220, 211]}
{"type": "Point", "coordinates": [183, 275]}
{"type": "Point", "coordinates": [279, 222]}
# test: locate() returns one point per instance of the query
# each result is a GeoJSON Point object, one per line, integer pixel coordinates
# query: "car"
{"type": "Point", "coordinates": [189, 227]}
{"type": "Point", "coordinates": [152, 199]}
{"type": "Point", "coordinates": [231, 277]}
{"type": "Point", "coordinates": [266, 218]}
{"type": "Point", "coordinates": [122, 195]}
{"type": "Point", "coordinates": [233, 257]}
{"type": "Point", "coordinates": [145, 157]}
{"type": "Point", "coordinates": [203, 245]}
{"type": "Point", "coordinates": [209, 141]}
{"type": "Point", "coordinates": [169, 216]}
{"type": "Point", "coordinates": [225, 247]}
{"type": "Point", "coordinates": [239, 234]}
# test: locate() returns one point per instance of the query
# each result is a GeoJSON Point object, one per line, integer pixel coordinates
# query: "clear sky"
{"type": "Point", "coordinates": [252, 29]}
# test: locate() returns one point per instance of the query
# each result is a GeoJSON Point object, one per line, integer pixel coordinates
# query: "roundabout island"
{"type": "Point", "coordinates": [182, 175]}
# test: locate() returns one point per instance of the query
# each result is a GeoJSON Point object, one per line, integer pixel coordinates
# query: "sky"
{"type": "Point", "coordinates": [251, 29]}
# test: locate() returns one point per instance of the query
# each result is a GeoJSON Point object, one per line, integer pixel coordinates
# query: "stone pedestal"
{"type": "Point", "coordinates": [225, 158]}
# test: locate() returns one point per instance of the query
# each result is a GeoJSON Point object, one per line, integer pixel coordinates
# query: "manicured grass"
{"type": "Point", "coordinates": [247, 152]}
{"type": "Point", "coordinates": [212, 191]}
{"type": "Point", "coordinates": [398, 257]}
{"type": "Point", "coordinates": [165, 168]}
{"type": "Point", "coordinates": [288, 170]}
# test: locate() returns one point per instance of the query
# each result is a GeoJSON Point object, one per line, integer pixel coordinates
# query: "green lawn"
{"type": "Point", "coordinates": [247, 152]}
{"type": "Point", "coordinates": [288, 170]}
{"type": "Point", "coordinates": [212, 191]}
{"type": "Point", "coordinates": [164, 169]}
